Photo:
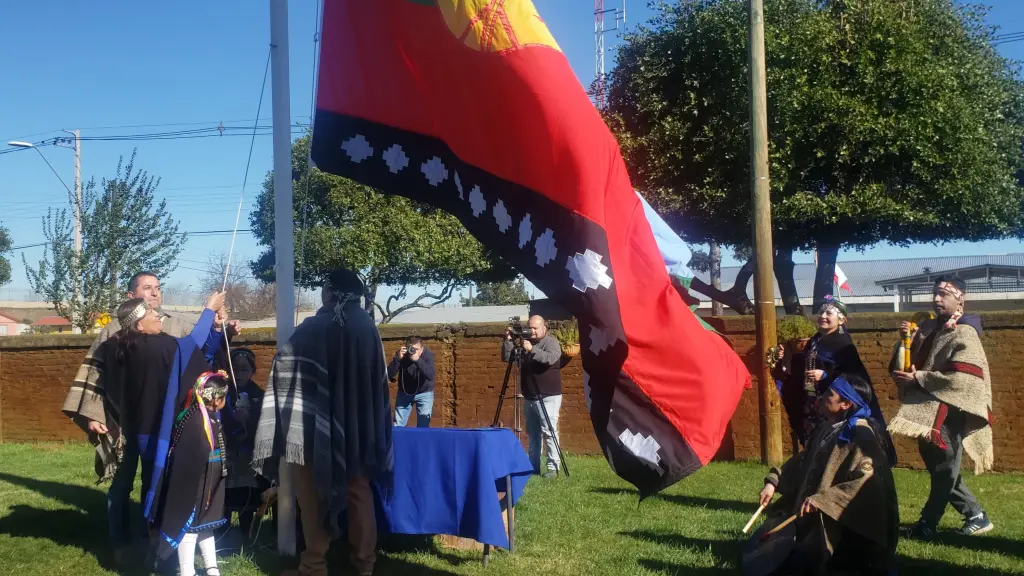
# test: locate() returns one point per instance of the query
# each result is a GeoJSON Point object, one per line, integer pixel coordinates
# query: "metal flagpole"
{"type": "Point", "coordinates": [284, 247]}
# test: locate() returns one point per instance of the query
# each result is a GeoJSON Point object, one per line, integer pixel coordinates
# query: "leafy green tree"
{"type": "Point", "coordinates": [888, 121]}
{"type": "Point", "coordinates": [389, 240]}
{"type": "Point", "coordinates": [5, 263]}
{"type": "Point", "coordinates": [124, 230]}
{"type": "Point", "coordinates": [506, 293]}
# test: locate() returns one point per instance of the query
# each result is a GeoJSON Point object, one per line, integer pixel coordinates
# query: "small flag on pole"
{"type": "Point", "coordinates": [841, 280]}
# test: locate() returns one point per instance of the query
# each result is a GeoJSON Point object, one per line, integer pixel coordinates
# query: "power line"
{"type": "Point", "coordinates": [159, 125]}
{"type": "Point", "coordinates": [212, 132]}
{"type": "Point", "coordinates": [199, 233]}
{"type": "Point", "coordinates": [24, 246]}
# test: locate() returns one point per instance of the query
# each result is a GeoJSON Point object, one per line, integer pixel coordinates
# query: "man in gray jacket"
{"type": "Point", "coordinates": [541, 383]}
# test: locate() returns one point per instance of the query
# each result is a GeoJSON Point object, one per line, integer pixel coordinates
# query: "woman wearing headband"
{"type": "Point", "coordinates": [829, 353]}
{"type": "Point", "coordinates": [841, 491]}
{"type": "Point", "coordinates": [143, 367]}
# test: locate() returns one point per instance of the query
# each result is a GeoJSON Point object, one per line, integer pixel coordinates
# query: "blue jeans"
{"type": "Point", "coordinates": [540, 433]}
{"type": "Point", "coordinates": [424, 408]}
{"type": "Point", "coordinates": [119, 495]}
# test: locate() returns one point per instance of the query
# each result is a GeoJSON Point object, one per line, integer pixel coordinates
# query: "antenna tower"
{"type": "Point", "coordinates": [600, 14]}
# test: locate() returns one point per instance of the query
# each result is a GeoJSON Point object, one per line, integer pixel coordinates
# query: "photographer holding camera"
{"type": "Point", "coordinates": [541, 384]}
{"type": "Point", "coordinates": [414, 365]}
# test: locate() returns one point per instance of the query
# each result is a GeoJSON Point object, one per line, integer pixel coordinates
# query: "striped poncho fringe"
{"type": "Point", "coordinates": [299, 407]}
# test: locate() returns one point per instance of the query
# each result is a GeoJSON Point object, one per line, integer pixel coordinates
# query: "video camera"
{"type": "Point", "coordinates": [519, 329]}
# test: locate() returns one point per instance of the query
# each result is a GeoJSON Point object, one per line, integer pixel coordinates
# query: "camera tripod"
{"type": "Point", "coordinates": [514, 368]}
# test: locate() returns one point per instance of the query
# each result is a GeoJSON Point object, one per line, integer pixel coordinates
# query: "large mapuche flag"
{"type": "Point", "coordinates": [471, 106]}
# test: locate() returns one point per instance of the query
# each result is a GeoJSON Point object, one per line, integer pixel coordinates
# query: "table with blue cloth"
{"type": "Point", "coordinates": [447, 481]}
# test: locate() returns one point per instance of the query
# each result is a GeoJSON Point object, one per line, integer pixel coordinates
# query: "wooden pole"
{"type": "Point", "coordinates": [764, 293]}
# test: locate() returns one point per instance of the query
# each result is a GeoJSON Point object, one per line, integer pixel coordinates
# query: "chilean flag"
{"type": "Point", "coordinates": [471, 106]}
{"type": "Point", "coordinates": [841, 280]}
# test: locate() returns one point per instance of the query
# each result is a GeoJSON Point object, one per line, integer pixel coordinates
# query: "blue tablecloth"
{"type": "Point", "coordinates": [447, 482]}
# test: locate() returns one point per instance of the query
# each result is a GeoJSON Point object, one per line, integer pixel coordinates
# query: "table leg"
{"type": "Point", "coordinates": [487, 554]}
{"type": "Point", "coordinates": [511, 511]}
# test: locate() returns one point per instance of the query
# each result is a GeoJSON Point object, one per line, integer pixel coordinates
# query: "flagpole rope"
{"type": "Point", "coordinates": [238, 217]}
{"type": "Point", "coordinates": [309, 169]}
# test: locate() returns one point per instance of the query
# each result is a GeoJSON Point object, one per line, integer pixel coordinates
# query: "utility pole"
{"type": "Point", "coordinates": [77, 206]}
{"type": "Point", "coordinates": [78, 190]}
{"type": "Point", "coordinates": [284, 239]}
{"type": "Point", "coordinates": [764, 283]}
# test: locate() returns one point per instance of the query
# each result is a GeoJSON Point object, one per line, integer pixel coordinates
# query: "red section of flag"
{"type": "Point", "coordinates": [521, 115]}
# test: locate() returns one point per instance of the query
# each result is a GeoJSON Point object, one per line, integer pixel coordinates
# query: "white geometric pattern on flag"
{"type": "Point", "coordinates": [587, 271]}
{"type": "Point", "coordinates": [600, 340]}
{"type": "Point", "coordinates": [502, 217]}
{"type": "Point", "coordinates": [586, 388]}
{"type": "Point", "coordinates": [525, 231]}
{"type": "Point", "coordinates": [477, 202]}
{"type": "Point", "coordinates": [544, 247]}
{"type": "Point", "coordinates": [643, 447]}
{"type": "Point", "coordinates": [357, 148]}
{"type": "Point", "coordinates": [435, 171]}
{"type": "Point", "coordinates": [396, 159]}
{"type": "Point", "coordinates": [458, 185]}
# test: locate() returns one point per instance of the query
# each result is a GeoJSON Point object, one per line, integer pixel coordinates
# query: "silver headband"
{"type": "Point", "coordinates": [136, 315]}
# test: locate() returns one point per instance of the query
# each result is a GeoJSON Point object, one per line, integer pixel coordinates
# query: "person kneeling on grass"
{"type": "Point", "coordinates": [192, 491]}
{"type": "Point", "coordinates": [841, 490]}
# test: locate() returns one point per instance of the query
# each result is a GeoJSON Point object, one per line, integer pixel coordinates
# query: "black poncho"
{"type": "Point", "coordinates": [137, 384]}
{"type": "Point", "coordinates": [327, 406]}
{"type": "Point", "coordinates": [835, 354]}
{"type": "Point", "coordinates": [192, 498]}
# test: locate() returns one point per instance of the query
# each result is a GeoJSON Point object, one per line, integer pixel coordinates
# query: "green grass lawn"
{"type": "Point", "coordinates": [52, 522]}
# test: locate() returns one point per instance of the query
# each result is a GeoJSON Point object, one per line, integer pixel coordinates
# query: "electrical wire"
{"type": "Point", "coordinates": [211, 132]}
{"type": "Point", "coordinates": [158, 125]}
{"type": "Point", "coordinates": [317, 23]}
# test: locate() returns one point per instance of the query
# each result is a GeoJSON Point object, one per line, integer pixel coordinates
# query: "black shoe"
{"type": "Point", "coordinates": [919, 531]}
{"type": "Point", "coordinates": [976, 525]}
{"type": "Point", "coordinates": [550, 474]}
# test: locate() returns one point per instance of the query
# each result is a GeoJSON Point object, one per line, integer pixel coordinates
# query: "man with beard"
{"type": "Point", "coordinates": [947, 407]}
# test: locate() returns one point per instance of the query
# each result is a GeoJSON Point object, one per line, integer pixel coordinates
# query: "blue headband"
{"type": "Point", "coordinates": [846, 391]}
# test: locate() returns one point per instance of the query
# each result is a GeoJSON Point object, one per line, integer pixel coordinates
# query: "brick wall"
{"type": "Point", "coordinates": [35, 372]}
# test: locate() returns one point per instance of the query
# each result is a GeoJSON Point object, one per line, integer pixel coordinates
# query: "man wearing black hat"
{"type": "Point", "coordinates": [328, 414]}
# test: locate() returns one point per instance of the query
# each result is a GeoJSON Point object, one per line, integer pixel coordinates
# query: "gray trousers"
{"type": "Point", "coordinates": [943, 464]}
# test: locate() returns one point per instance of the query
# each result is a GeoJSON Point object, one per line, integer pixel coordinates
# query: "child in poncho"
{"type": "Point", "coordinates": [192, 502]}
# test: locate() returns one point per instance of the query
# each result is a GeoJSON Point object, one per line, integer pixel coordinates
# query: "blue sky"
{"type": "Point", "coordinates": [121, 67]}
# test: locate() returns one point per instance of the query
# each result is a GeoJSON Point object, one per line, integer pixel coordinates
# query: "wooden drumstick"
{"type": "Point", "coordinates": [752, 518]}
{"type": "Point", "coordinates": [785, 523]}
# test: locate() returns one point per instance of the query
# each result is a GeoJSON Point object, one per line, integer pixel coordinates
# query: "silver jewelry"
{"type": "Point", "coordinates": [137, 314]}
